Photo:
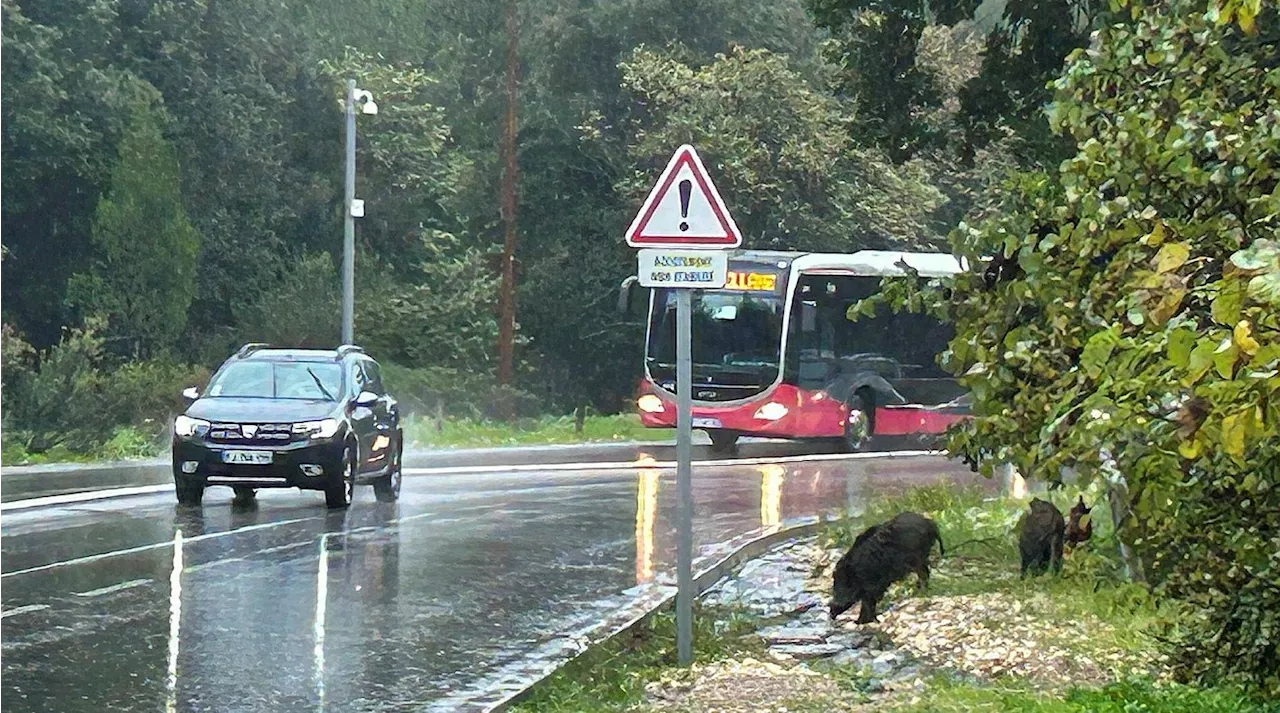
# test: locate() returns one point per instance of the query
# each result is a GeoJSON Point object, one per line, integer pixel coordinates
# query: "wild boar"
{"type": "Point", "coordinates": [1079, 523]}
{"type": "Point", "coordinates": [880, 556]}
{"type": "Point", "coordinates": [1040, 539]}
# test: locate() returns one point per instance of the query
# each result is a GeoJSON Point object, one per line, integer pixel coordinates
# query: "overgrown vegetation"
{"type": "Point", "coordinates": [1127, 326]}
{"type": "Point", "coordinates": [982, 557]}
{"type": "Point", "coordinates": [173, 172]}
{"type": "Point", "coordinates": [1090, 610]}
{"type": "Point", "coordinates": [944, 696]}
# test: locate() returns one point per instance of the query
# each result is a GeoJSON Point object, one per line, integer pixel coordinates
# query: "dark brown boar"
{"type": "Point", "coordinates": [1079, 524]}
{"type": "Point", "coordinates": [1042, 531]}
{"type": "Point", "coordinates": [880, 556]}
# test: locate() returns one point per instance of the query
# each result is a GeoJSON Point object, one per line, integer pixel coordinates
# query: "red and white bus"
{"type": "Point", "coordinates": [775, 355]}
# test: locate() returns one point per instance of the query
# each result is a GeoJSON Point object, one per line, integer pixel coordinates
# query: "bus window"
{"type": "Point", "coordinates": [825, 347]}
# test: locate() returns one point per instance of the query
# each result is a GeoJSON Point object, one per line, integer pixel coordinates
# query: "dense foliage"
{"type": "Point", "coordinates": [1127, 324]}
{"type": "Point", "coordinates": [200, 144]}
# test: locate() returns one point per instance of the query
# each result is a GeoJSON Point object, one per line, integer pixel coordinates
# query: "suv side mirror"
{"type": "Point", "coordinates": [191, 393]}
{"type": "Point", "coordinates": [366, 399]}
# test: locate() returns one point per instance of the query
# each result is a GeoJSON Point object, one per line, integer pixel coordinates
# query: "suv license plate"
{"type": "Point", "coordinates": [706, 423]}
{"type": "Point", "coordinates": [247, 457]}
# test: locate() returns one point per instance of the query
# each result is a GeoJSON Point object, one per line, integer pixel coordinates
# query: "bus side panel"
{"type": "Point", "coordinates": [911, 420]}
{"type": "Point", "coordinates": [810, 414]}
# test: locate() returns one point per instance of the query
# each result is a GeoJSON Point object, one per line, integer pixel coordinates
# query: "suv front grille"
{"type": "Point", "coordinates": [251, 433]}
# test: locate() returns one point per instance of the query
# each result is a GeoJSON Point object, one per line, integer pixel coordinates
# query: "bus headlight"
{"type": "Point", "coordinates": [771, 411]}
{"type": "Point", "coordinates": [650, 404]}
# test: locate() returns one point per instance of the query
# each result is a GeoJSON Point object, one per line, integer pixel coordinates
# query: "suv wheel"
{"type": "Point", "coordinates": [342, 489]}
{"type": "Point", "coordinates": [387, 488]}
{"type": "Point", "coordinates": [188, 492]}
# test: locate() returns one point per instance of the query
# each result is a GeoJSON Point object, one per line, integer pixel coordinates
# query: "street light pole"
{"type": "Point", "coordinates": [349, 222]}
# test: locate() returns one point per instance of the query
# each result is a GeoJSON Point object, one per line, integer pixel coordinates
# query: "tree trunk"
{"type": "Point", "coordinates": [1121, 518]}
{"type": "Point", "coordinates": [507, 300]}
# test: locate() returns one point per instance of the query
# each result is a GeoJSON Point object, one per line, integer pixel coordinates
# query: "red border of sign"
{"type": "Point", "coordinates": [685, 155]}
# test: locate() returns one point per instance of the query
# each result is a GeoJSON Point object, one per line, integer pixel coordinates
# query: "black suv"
{"type": "Point", "coordinates": [290, 418]}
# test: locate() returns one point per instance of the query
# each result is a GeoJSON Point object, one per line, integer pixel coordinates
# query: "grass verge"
{"type": "Point", "coordinates": [126, 443]}
{"type": "Point", "coordinates": [613, 675]}
{"type": "Point", "coordinates": [1130, 696]}
{"type": "Point", "coordinates": [463, 433]}
{"type": "Point", "coordinates": [130, 442]}
{"type": "Point", "coordinates": [1087, 612]}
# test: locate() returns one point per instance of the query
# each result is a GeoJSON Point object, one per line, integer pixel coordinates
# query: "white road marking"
{"type": "Point", "coordinates": [23, 610]}
{"type": "Point", "coordinates": [113, 588]}
{"type": "Point", "coordinates": [146, 548]}
{"type": "Point", "coordinates": [212, 535]}
{"type": "Point", "coordinates": [72, 498]}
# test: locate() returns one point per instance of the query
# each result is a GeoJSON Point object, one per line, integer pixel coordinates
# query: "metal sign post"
{"type": "Point", "coordinates": [684, 477]}
{"type": "Point", "coordinates": [685, 217]}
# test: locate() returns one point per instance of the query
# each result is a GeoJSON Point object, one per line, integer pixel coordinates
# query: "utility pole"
{"type": "Point", "coordinates": [507, 297]}
{"type": "Point", "coordinates": [351, 208]}
{"type": "Point", "coordinates": [349, 222]}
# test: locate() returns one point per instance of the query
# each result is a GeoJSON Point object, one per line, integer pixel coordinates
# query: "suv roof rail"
{"type": "Point", "coordinates": [250, 348]}
{"type": "Point", "coordinates": [346, 349]}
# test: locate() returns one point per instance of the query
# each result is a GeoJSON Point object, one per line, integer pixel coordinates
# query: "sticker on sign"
{"type": "Point", "coordinates": [706, 269]}
{"type": "Point", "coordinates": [684, 209]}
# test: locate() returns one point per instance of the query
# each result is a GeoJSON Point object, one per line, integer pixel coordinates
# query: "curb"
{"type": "Point", "coordinates": [743, 549]}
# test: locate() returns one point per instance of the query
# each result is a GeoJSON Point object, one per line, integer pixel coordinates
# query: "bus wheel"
{"type": "Point", "coordinates": [857, 425]}
{"type": "Point", "coordinates": [723, 441]}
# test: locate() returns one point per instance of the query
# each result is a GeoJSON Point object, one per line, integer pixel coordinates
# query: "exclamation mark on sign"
{"type": "Point", "coordinates": [686, 187]}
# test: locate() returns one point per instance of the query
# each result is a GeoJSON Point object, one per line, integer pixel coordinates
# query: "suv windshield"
{"type": "Point", "coordinates": [316, 380]}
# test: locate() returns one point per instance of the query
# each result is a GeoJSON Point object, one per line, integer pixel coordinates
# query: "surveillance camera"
{"type": "Point", "coordinates": [370, 108]}
{"type": "Point", "coordinates": [363, 95]}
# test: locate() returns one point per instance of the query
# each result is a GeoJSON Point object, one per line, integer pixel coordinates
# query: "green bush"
{"type": "Point", "coordinates": [73, 401]}
{"type": "Point", "coordinates": [147, 394]}
{"type": "Point", "coordinates": [458, 393]}
{"type": "Point", "coordinates": [1122, 316]}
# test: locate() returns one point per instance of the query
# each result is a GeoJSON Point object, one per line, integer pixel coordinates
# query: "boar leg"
{"type": "Point", "coordinates": [922, 572]}
{"type": "Point", "coordinates": [867, 612]}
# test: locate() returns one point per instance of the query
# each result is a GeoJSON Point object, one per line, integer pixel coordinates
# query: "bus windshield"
{"type": "Point", "coordinates": [730, 329]}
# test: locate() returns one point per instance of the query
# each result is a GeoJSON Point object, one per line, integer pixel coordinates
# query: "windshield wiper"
{"type": "Point", "coordinates": [328, 396]}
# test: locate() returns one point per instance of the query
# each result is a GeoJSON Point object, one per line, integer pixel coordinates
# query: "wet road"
{"type": "Point", "coordinates": [133, 604]}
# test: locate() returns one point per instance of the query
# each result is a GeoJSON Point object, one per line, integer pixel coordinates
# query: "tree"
{"type": "Point", "coordinates": [780, 150]}
{"type": "Point", "coordinates": [1127, 325]}
{"type": "Point", "coordinates": [875, 48]}
{"type": "Point", "coordinates": [65, 105]}
{"type": "Point", "coordinates": [144, 267]}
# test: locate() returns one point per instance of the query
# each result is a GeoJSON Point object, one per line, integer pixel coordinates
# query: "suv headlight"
{"type": "Point", "coordinates": [318, 429]}
{"type": "Point", "coordinates": [187, 426]}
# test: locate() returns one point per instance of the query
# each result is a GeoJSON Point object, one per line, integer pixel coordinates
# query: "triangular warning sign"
{"type": "Point", "coordinates": [684, 209]}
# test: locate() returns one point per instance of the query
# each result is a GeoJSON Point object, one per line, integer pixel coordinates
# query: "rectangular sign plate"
{"type": "Point", "coordinates": [247, 457]}
{"type": "Point", "coordinates": [706, 269]}
{"type": "Point", "coordinates": [706, 423]}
